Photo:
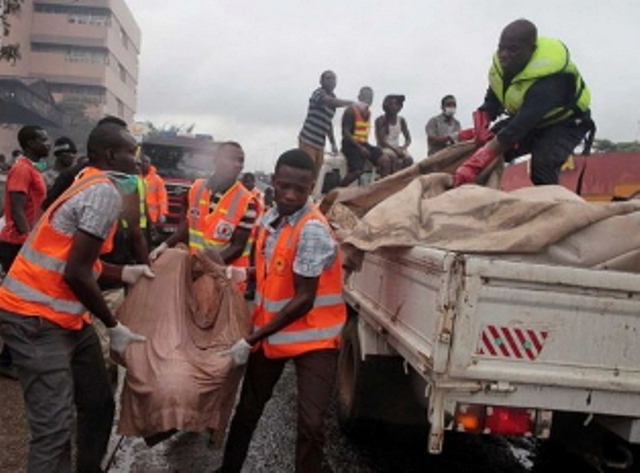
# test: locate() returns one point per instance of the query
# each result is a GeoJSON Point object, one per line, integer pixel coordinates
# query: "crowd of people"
{"type": "Point", "coordinates": [77, 234]}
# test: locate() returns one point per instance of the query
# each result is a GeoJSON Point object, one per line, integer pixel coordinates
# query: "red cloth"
{"type": "Point", "coordinates": [23, 177]}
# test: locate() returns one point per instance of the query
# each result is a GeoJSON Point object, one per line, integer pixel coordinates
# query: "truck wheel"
{"type": "Point", "coordinates": [349, 381]}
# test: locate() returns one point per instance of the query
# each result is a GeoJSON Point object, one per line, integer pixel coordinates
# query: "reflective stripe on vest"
{"type": "Point", "coordinates": [140, 187]}
{"type": "Point", "coordinates": [277, 305]}
{"type": "Point", "coordinates": [361, 126]}
{"type": "Point", "coordinates": [46, 261]}
{"type": "Point", "coordinates": [231, 205]}
{"type": "Point", "coordinates": [550, 57]}
{"type": "Point", "coordinates": [301, 336]}
{"type": "Point", "coordinates": [320, 328]}
{"type": "Point", "coordinates": [142, 198]}
{"type": "Point", "coordinates": [35, 283]}
{"type": "Point", "coordinates": [33, 295]}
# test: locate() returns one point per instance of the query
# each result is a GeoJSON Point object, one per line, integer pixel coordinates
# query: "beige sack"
{"type": "Point", "coordinates": [177, 379]}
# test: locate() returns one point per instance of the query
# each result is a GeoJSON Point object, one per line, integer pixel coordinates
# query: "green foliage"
{"type": "Point", "coordinates": [9, 52]}
{"type": "Point", "coordinates": [605, 145]}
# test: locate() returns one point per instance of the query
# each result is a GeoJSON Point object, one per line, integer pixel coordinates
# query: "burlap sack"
{"type": "Point", "coordinates": [177, 379]}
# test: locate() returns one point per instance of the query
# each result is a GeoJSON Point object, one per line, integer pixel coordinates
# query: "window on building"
{"type": "Point", "coordinates": [120, 108]}
{"type": "Point", "coordinates": [77, 14]}
{"type": "Point", "coordinates": [124, 37]}
{"type": "Point", "coordinates": [123, 73]}
{"type": "Point", "coordinates": [86, 54]}
{"type": "Point", "coordinates": [92, 93]}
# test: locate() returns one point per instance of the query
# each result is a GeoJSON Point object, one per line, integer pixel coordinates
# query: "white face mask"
{"type": "Point", "coordinates": [450, 111]}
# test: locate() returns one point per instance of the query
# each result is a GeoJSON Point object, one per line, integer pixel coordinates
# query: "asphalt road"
{"type": "Point", "coordinates": [272, 449]}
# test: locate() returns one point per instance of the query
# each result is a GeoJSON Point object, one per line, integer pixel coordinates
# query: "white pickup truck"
{"type": "Point", "coordinates": [490, 346]}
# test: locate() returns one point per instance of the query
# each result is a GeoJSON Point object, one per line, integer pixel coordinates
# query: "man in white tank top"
{"type": "Point", "coordinates": [389, 127]}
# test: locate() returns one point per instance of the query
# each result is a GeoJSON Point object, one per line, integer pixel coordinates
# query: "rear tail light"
{"type": "Point", "coordinates": [509, 421]}
{"type": "Point", "coordinates": [476, 418]}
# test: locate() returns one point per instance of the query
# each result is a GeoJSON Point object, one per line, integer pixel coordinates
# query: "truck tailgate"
{"type": "Point", "coordinates": [547, 325]}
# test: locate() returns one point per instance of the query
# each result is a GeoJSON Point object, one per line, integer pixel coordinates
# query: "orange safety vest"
{"type": "Point", "coordinates": [157, 203]}
{"type": "Point", "coordinates": [321, 327]}
{"type": "Point", "coordinates": [361, 126]}
{"type": "Point", "coordinates": [216, 228]}
{"type": "Point", "coordinates": [260, 209]}
{"type": "Point", "coordinates": [35, 284]}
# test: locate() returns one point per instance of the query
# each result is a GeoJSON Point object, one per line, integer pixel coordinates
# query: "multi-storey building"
{"type": "Point", "coordinates": [84, 49]}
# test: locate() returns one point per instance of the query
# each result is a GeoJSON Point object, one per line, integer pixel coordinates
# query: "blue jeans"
{"type": "Point", "coordinates": [59, 368]}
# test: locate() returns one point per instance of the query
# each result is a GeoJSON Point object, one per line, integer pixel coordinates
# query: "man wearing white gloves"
{"type": "Point", "coordinates": [298, 315]}
{"type": "Point", "coordinates": [45, 301]}
{"type": "Point", "coordinates": [221, 212]}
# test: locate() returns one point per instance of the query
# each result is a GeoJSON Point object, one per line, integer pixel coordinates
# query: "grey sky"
{"type": "Point", "coordinates": [244, 70]}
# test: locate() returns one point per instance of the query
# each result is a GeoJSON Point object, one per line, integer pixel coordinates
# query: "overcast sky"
{"type": "Point", "coordinates": [244, 70]}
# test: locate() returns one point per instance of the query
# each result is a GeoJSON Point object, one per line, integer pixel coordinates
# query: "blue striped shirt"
{"type": "Point", "coordinates": [318, 121]}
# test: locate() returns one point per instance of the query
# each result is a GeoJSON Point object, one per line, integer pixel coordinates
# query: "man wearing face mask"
{"type": "Point", "coordinates": [444, 129]}
{"type": "Point", "coordinates": [221, 211]}
{"type": "Point", "coordinates": [64, 149]}
{"type": "Point", "coordinates": [24, 192]}
{"type": "Point", "coordinates": [45, 301]}
{"type": "Point", "coordinates": [532, 80]}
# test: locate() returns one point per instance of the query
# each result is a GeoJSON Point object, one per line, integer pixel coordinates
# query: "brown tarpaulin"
{"type": "Point", "coordinates": [177, 379]}
{"type": "Point", "coordinates": [547, 224]}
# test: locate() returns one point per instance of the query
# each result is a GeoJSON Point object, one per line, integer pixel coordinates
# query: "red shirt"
{"type": "Point", "coordinates": [23, 177]}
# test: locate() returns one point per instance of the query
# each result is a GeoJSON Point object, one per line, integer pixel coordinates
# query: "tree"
{"type": "Point", "coordinates": [604, 145]}
{"type": "Point", "coordinates": [9, 52]}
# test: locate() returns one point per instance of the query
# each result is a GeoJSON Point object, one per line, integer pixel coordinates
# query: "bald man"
{"type": "Point", "coordinates": [532, 80]}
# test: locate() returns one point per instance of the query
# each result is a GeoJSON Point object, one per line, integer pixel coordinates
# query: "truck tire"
{"type": "Point", "coordinates": [349, 381]}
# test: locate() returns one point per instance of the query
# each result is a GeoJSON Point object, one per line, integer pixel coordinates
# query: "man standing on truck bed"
{"type": "Point", "coordinates": [535, 82]}
{"type": "Point", "coordinates": [298, 315]}
{"type": "Point", "coordinates": [318, 123]}
{"type": "Point", "coordinates": [221, 211]}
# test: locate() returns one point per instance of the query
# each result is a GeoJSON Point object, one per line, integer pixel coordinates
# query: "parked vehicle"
{"type": "Point", "coordinates": [179, 161]}
{"type": "Point", "coordinates": [600, 177]}
{"type": "Point", "coordinates": [482, 345]}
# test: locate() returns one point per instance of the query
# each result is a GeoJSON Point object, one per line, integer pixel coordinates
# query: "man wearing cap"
{"type": "Point", "coordinates": [65, 150]}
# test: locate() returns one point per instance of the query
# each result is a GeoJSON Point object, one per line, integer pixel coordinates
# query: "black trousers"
{"type": "Point", "coordinates": [60, 369]}
{"type": "Point", "coordinates": [550, 147]}
{"type": "Point", "coordinates": [8, 253]}
{"type": "Point", "coordinates": [315, 376]}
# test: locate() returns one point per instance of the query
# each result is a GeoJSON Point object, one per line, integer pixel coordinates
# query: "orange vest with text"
{"type": "Point", "coordinates": [216, 228]}
{"type": "Point", "coordinates": [318, 329]}
{"type": "Point", "coordinates": [157, 203]}
{"type": "Point", "coordinates": [35, 284]}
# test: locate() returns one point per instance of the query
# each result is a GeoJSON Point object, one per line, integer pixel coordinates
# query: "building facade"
{"type": "Point", "coordinates": [83, 49]}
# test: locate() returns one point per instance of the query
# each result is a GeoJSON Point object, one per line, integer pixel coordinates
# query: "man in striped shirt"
{"type": "Point", "coordinates": [318, 123]}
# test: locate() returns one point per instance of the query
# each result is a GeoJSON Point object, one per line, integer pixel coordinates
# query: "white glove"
{"type": "Point", "coordinates": [120, 337]}
{"type": "Point", "coordinates": [131, 273]}
{"type": "Point", "coordinates": [155, 254]}
{"type": "Point", "coordinates": [236, 275]}
{"type": "Point", "coordinates": [162, 219]}
{"type": "Point", "coordinates": [453, 137]}
{"type": "Point", "coordinates": [240, 352]}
